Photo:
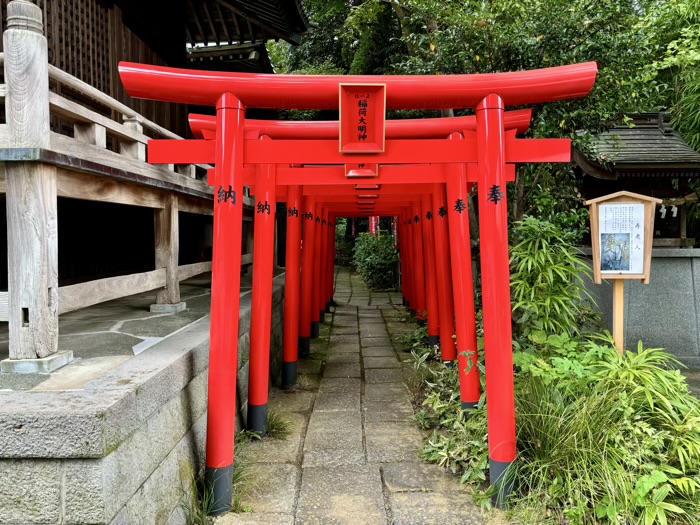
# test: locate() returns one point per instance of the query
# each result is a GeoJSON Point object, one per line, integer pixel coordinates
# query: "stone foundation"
{"type": "Point", "coordinates": [666, 312]}
{"type": "Point", "coordinates": [123, 449]}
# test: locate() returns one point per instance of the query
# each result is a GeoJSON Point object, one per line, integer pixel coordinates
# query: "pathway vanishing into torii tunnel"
{"type": "Point", "coordinates": [481, 151]}
{"type": "Point", "coordinates": [353, 453]}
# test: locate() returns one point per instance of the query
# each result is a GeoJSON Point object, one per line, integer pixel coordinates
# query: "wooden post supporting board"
{"type": "Point", "coordinates": [32, 229]}
{"type": "Point", "coordinates": [619, 315]}
{"type": "Point", "coordinates": [167, 252]}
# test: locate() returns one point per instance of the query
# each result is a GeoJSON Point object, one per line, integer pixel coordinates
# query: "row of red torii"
{"type": "Point", "coordinates": [418, 170]}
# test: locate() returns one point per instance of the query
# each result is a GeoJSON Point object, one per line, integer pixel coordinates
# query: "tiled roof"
{"type": "Point", "coordinates": [648, 148]}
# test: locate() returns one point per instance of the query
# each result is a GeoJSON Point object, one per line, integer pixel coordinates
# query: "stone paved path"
{"type": "Point", "coordinates": [352, 457]}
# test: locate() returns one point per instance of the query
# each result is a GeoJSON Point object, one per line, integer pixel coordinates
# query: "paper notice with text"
{"type": "Point", "coordinates": [621, 238]}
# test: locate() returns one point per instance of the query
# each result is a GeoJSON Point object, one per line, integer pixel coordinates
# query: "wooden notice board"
{"type": "Point", "coordinates": [622, 231]}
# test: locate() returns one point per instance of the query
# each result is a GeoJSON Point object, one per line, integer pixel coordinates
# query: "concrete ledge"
{"type": "Point", "coordinates": [44, 365]}
{"type": "Point", "coordinates": [168, 308]}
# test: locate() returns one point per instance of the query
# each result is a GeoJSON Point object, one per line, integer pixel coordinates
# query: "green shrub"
{"type": "Point", "coordinates": [603, 438]}
{"type": "Point", "coordinates": [547, 280]}
{"type": "Point", "coordinates": [376, 259]}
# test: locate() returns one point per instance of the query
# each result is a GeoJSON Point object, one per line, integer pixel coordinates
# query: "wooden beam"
{"type": "Point", "coordinates": [189, 36]}
{"type": "Point", "coordinates": [250, 30]}
{"type": "Point", "coordinates": [184, 272]}
{"type": "Point", "coordinates": [193, 205]}
{"type": "Point", "coordinates": [72, 111]}
{"type": "Point", "coordinates": [211, 23]}
{"type": "Point", "coordinates": [196, 21]}
{"type": "Point", "coordinates": [251, 19]}
{"type": "Point", "coordinates": [223, 23]}
{"type": "Point", "coordinates": [86, 89]}
{"type": "Point", "coordinates": [167, 249]}
{"type": "Point", "coordinates": [82, 295]}
{"type": "Point", "coordinates": [83, 186]}
{"type": "Point", "coordinates": [146, 174]}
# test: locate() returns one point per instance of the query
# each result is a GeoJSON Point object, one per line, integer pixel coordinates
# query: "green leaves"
{"type": "Point", "coordinates": [546, 281]}
{"type": "Point", "coordinates": [376, 260]}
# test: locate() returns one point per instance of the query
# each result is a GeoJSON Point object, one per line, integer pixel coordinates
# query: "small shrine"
{"type": "Point", "coordinates": [648, 157]}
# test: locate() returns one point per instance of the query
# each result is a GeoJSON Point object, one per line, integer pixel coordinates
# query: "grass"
{"type": "Point", "coordinates": [279, 426]}
{"type": "Point", "coordinates": [197, 500]}
{"type": "Point", "coordinates": [304, 382]}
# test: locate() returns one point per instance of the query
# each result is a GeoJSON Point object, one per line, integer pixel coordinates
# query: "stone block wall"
{"type": "Point", "coordinates": [666, 312]}
{"type": "Point", "coordinates": [121, 450]}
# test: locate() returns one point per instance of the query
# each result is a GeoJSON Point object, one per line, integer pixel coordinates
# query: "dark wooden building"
{"type": "Point", "coordinates": [88, 38]}
{"type": "Point", "coordinates": [646, 156]}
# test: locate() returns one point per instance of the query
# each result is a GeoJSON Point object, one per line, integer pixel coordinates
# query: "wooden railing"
{"type": "Point", "coordinates": [104, 160]}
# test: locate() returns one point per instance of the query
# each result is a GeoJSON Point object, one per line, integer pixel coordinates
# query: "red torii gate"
{"type": "Point", "coordinates": [481, 156]}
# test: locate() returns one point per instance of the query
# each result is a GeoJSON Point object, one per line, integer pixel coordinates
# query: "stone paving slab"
{"type": "Point", "coordinates": [376, 341]}
{"type": "Point", "coordinates": [345, 357]}
{"type": "Point", "coordinates": [337, 402]}
{"type": "Point", "coordinates": [275, 490]}
{"type": "Point", "coordinates": [386, 392]}
{"type": "Point", "coordinates": [373, 330]}
{"type": "Point", "coordinates": [399, 410]}
{"type": "Point", "coordinates": [309, 366]}
{"type": "Point", "coordinates": [371, 319]}
{"type": "Point", "coordinates": [334, 431]}
{"type": "Point", "coordinates": [345, 320]}
{"type": "Point", "coordinates": [339, 458]}
{"type": "Point", "coordinates": [380, 362]}
{"type": "Point", "coordinates": [421, 477]}
{"type": "Point", "coordinates": [369, 313]}
{"type": "Point", "coordinates": [342, 370]}
{"type": "Point", "coordinates": [384, 375]}
{"type": "Point", "coordinates": [339, 384]}
{"type": "Point", "coordinates": [346, 339]}
{"type": "Point", "coordinates": [396, 327]}
{"type": "Point", "coordinates": [345, 330]}
{"type": "Point", "coordinates": [341, 348]}
{"type": "Point", "coordinates": [392, 441]}
{"type": "Point", "coordinates": [349, 496]}
{"type": "Point", "coordinates": [249, 518]}
{"type": "Point", "coordinates": [379, 351]}
{"type": "Point", "coordinates": [434, 508]}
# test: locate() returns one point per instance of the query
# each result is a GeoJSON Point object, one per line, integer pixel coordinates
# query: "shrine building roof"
{"type": "Point", "coordinates": [646, 147]}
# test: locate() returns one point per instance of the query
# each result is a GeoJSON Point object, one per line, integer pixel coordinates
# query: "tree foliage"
{"type": "Point", "coordinates": [647, 52]}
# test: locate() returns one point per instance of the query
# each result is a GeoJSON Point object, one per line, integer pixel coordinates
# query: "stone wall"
{"type": "Point", "coordinates": [123, 449]}
{"type": "Point", "coordinates": [666, 312]}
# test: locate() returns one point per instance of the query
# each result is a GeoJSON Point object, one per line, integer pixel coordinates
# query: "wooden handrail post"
{"type": "Point", "coordinates": [31, 189]}
{"type": "Point", "coordinates": [135, 150]}
{"type": "Point", "coordinates": [167, 252]}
